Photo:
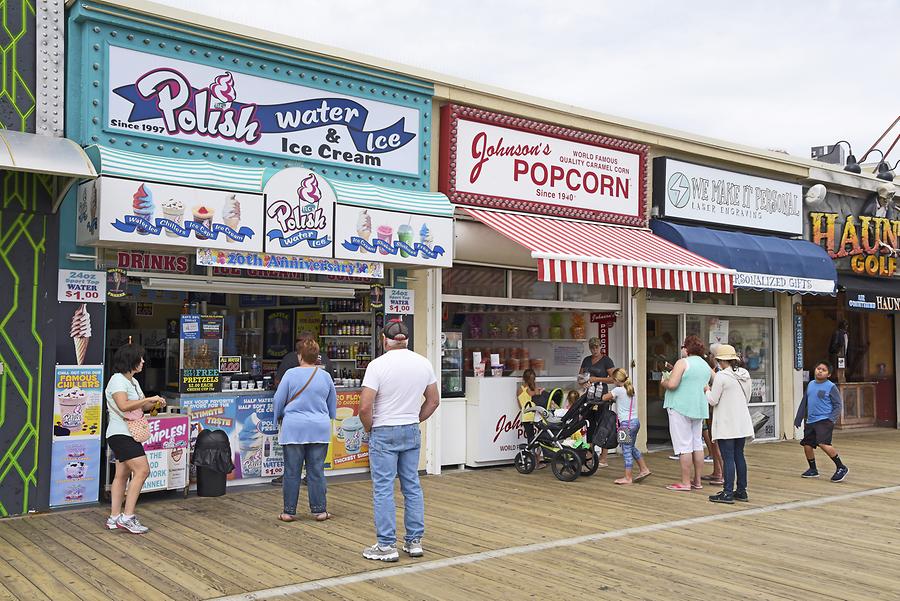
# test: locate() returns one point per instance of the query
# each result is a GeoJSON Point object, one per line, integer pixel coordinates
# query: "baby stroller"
{"type": "Point", "coordinates": [550, 432]}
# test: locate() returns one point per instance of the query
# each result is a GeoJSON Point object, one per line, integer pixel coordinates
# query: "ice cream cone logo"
{"type": "Point", "coordinates": [143, 207]}
{"type": "Point", "coordinates": [309, 194]}
{"type": "Point", "coordinates": [232, 216]}
{"type": "Point", "coordinates": [80, 332]}
{"type": "Point", "coordinates": [364, 227]}
{"type": "Point", "coordinates": [222, 91]}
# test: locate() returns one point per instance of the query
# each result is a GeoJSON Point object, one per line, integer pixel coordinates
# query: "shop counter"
{"type": "Point", "coordinates": [493, 418]}
{"type": "Point", "coordinates": [453, 431]}
{"type": "Point", "coordinates": [247, 416]}
{"type": "Point", "coordinates": [167, 454]}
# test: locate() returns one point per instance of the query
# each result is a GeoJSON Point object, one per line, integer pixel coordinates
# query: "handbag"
{"type": "Point", "coordinates": [299, 392]}
{"type": "Point", "coordinates": [624, 433]}
{"type": "Point", "coordinates": [139, 429]}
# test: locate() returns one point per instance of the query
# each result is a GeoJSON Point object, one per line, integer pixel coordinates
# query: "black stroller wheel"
{"type": "Point", "coordinates": [591, 463]}
{"type": "Point", "coordinates": [525, 462]}
{"type": "Point", "coordinates": [566, 465]}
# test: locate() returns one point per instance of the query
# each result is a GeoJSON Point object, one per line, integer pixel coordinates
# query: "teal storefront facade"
{"type": "Point", "coordinates": [200, 102]}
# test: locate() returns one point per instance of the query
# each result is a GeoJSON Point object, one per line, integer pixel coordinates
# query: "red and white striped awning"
{"type": "Point", "coordinates": [590, 253]}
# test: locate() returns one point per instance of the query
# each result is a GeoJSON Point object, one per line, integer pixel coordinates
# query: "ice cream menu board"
{"type": "Point", "coordinates": [75, 459]}
{"type": "Point", "coordinates": [349, 441]}
{"type": "Point", "coordinates": [393, 237]}
{"type": "Point", "coordinates": [139, 212]}
{"type": "Point", "coordinates": [74, 471]}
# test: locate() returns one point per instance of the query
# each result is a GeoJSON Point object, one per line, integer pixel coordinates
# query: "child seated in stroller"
{"type": "Point", "coordinates": [549, 438]}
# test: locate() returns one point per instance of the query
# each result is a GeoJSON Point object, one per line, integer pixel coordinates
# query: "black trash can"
{"type": "Point", "coordinates": [212, 458]}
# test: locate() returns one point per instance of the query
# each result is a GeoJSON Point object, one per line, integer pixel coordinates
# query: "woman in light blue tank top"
{"type": "Point", "coordinates": [687, 407]}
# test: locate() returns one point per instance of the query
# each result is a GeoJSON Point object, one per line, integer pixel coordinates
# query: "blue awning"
{"type": "Point", "coordinates": [762, 262]}
{"type": "Point", "coordinates": [175, 171]}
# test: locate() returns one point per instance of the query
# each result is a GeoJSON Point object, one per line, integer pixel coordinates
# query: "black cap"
{"type": "Point", "coordinates": [396, 330]}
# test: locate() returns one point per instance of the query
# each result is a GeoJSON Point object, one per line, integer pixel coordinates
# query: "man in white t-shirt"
{"type": "Point", "coordinates": [391, 408]}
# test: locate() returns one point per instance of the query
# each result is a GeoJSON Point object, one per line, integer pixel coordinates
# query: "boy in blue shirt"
{"type": "Point", "coordinates": [820, 408]}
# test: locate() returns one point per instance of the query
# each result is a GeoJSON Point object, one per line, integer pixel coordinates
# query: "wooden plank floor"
{"type": "Point", "coordinates": [476, 523]}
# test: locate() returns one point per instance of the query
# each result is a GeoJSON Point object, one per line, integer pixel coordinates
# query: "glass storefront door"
{"type": "Point", "coordinates": [751, 337]}
{"type": "Point", "coordinates": [664, 338]}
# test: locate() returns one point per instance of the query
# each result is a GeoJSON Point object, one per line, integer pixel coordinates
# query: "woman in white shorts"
{"type": "Point", "coordinates": [687, 407]}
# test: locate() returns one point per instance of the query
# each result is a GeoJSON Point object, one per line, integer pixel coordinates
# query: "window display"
{"type": "Point", "coordinates": [752, 339]}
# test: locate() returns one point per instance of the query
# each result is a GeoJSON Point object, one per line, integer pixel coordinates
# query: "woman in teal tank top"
{"type": "Point", "coordinates": [687, 407]}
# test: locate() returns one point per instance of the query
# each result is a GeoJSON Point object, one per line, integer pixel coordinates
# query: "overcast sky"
{"type": "Point", "coordinates": [770, 74]}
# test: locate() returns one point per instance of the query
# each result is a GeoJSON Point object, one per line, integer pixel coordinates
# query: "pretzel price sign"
{"type": "Point", "coordinates": [229, 364]}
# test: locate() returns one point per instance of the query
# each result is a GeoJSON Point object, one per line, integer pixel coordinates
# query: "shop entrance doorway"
{"type": "Point", "coordinates": [664, 335]}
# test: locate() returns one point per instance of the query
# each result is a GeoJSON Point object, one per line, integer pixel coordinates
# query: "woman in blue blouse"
{"type": "Point", "coordinates": [305, 403]}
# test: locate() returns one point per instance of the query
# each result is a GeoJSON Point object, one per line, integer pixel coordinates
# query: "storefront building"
{"type": "Point", "coordinates": [752, 225]}
{"type": "Point", "coordinates": [855, 221]}
{"type": "Point", "coordinates": [247, 195]}
{"type": "Point", "coordinates": [552, 244]}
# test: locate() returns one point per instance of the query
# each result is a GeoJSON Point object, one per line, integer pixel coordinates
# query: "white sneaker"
{"type": "Point", "coordinates": [413, 548]}
{"type": "Point", "coordinates": [111, 522]}
{"type": "Point", "coordinates": [132, 525]}
{"type": "Point", "coordinates": [377, 552]}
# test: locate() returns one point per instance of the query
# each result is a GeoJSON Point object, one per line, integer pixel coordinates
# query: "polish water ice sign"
{"type": "Point", "coordinates": [151, 95]}
{"type": "Point", "coordinates": [299, 214]}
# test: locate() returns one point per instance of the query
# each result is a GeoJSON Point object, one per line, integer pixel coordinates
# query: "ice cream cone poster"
{"type": "Point", "coordinates": [147, 213]}
{"type": "Point", "coordinates": [349, 441]}
{"type": "Point", "coordinates": [393, 237]}
{"type": "Point", "coordinates": [299, 214]}
{"type": "Point", "coordinates": [80, 337]}
{"type": "Point", "coordinates": [77, 398]}
{"type": "Point", "coordinates": [257, 436]}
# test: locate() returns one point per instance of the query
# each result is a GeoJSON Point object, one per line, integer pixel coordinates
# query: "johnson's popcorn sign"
{"type": "Point", "coordinates": [509, 163]}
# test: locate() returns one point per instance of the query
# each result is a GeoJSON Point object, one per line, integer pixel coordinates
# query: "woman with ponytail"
{"type": "Point", "coordinates": [626, 410]}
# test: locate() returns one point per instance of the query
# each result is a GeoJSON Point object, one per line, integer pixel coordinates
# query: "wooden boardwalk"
{"type": "Point", "coordinates": [495, 534]}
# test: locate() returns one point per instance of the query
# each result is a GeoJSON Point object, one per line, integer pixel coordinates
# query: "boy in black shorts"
{"type": "Point", "coordinates": [820, 408]}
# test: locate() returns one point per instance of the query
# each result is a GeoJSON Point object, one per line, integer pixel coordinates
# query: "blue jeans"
{"type": "Point", "coordinates": [733, 457]}
{"type": "Point", "coordinates": [630, 453]}
{"type": "Point", "coordinates": [393, 452]}
{"type": "Point", "coordinates": [295, 455]}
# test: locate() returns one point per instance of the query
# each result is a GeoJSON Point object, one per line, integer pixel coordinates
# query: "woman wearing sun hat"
{"type": "Point", "coordinates": [732, 425]}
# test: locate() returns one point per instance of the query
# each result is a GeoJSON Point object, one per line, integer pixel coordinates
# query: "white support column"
{"type": "Point", "coordinates": [636, 302]}
{"type": "Point", "coordinates": [426, 284]}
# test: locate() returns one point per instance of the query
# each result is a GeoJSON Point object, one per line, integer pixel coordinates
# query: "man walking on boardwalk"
{"type": "Point", "coordinates": [391, 408]}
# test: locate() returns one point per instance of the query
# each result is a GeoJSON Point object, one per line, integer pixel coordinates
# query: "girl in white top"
{"type": "Point", "coordinates": [126, 401]}
{"type": "Point", "coordinates": [626, 410]}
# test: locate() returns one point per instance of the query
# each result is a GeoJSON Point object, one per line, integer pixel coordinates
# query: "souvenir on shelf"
{"type": "Point", "coordinates": [475, 330]}
{"type": "Point", "coordinates": [493, 328]}
{"type": "Point", "coordinates": [556, 325]}
{"type": "Point", "coordinates": [512, 328]}
{"type": "Point", "coordinates": [577, 328]}
{"type": "Point", "coordinates": [534, 329]}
